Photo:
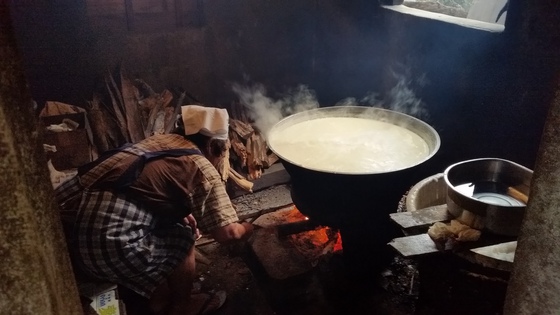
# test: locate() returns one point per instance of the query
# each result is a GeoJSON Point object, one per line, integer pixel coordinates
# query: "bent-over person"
{"type": "Point", "coordinates": [139, 208]}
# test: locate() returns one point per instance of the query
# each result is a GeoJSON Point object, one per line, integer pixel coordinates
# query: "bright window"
{"type": "Point", "coordinates": [490, 11]}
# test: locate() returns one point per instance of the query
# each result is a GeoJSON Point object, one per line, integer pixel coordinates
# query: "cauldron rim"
{"type": "Point", "coordinates": [362, 110]}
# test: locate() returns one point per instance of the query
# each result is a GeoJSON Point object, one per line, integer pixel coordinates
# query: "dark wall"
{"type": "Point", "coordinates": [480, 90]}
{"type": "Point", "coordinates": [484, 95]}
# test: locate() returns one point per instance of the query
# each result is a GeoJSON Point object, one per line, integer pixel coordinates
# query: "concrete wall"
{"type": "Point", "coordinates": [36, 275]}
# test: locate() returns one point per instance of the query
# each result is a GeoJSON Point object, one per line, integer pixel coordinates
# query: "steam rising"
{"type": "Point", "coordinates": [403, 99]}
{"type": "Point", "coordinates": [266, 112]}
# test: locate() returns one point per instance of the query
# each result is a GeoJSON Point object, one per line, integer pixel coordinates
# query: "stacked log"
{"type": "Point", "coordinates": [248, 145]}
{"type": "Point", "coordinates": [128, 111]}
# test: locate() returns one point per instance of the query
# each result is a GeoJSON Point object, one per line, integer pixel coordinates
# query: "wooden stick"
{"type": "Point", "coordinates": [240, 181]}
{"type": "Point", "coordinates": [134, 123]}
{"type": "Point", "coordinates": [170, 120]}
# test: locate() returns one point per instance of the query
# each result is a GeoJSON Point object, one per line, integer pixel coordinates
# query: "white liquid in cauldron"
{"type": "Point", "coordinates": [349, 145]}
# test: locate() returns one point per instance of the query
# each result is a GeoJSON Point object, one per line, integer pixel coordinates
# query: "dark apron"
{"type": "Point", "coordinates": [69, 193]}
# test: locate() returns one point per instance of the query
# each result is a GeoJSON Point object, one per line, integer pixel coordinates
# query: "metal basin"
{"type": "Point", "coordinates": [431, 191]}
{"type": "Point", "coordinates": [488, 193]}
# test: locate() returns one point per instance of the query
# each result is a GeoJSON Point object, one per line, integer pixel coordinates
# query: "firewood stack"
{"type": "Point", "coordinates": [250, 151]}
{"type": "Point", "coordinates": [127, 111]}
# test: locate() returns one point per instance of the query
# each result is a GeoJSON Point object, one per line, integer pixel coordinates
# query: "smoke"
{"type": "Point", "coordinates": [402, 98]}
{"type": "Point", "coordinates": [371, 99]}
{"type": "Point", "coordinates": [266, 112]}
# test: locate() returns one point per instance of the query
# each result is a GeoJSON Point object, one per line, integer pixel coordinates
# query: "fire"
{"type": "Point", "coordinates": [314, 243]}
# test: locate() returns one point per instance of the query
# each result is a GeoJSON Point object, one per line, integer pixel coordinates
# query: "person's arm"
{"type": "Point", "coordinates": [213, 210]}
{"type": "Point", "coordinates": [238, 231]}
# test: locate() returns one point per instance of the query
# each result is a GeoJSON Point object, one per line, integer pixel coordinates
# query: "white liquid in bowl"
{"type": "Point", "coordinates": [349, 145]}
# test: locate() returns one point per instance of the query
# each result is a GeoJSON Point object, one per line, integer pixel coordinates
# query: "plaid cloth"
{"type": "Point", "coordinates": [119, 237]}
{"type": "Point", "coordinates": [119, 241]}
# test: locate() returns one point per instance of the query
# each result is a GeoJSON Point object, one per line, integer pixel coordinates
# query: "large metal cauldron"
{"type": "Point", "coordinates": [357, 204]}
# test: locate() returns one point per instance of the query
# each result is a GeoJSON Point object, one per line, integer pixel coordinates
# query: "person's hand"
{"type": "Point", "coordinates": [248, 228]}
{"type": "Point", "coordinates": [191, 221]}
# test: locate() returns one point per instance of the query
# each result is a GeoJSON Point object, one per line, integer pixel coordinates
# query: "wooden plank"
{"type": "Point", "coordinates": [422, 244]}
{"type": "Point", "coordinates": [499, 256]}
{"type": "Point", "coordinates": [415, 245]}
{"type": "Point", "coordinates": [422, 217]}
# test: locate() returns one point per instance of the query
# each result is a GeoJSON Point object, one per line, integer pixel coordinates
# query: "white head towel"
{"type": "Point", "coordinates": [209, 121]}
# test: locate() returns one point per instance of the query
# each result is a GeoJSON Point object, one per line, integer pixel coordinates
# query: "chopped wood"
{"type": "Point", "coordinates": [254, 148]}
{"type": "Point", "coordinates": [166, 97]}
{"type": "Point", "coordinates": [240, 181]}
{"type": "Point", "coordinates": [115, 108]}
{"type": "Point", "coordinates": [271, 159]}
{"type": "Point", "coordinates": [238, 148]}
{"type": "Point", "coordinates": [154, 113]}
{"type": "Point", "coordinates": [252, 166]}
{"type": "Point", "coordinates": [255, 173]}
{"type": "Point", "coordinates": [161, 101]}
{"type": "Point", "coordinates": [256, 156]}
{"type": "Point", "coordinates": [262, 151]}
{"type": "Point", "coordinates": [223, 165]}
{"type": "Point", "coordinates": [115, 137]}
{"type": "Point", "coordinates": [171, 113]}
{"type": "Point", "coordinates": [144, 89]}
{"type": "Point", "coordinates": [130, 111]}
{"type": "Point", "coordinates": [101, 132]}
{"type": "Point", "coordinates": [97, 123]}
{"type": "Point", "coordinates": [131, 107]}
{"type": "Point", "coordinates": [145, 106]}
{"type": "Point", "coordinates": [249, 148]}
{"type": "Point", "coordinates": [244, 130]}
